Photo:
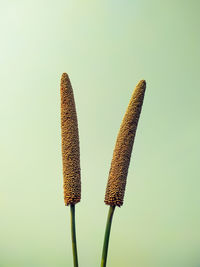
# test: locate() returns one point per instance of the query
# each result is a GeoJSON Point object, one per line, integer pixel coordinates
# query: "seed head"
{"type": "Point", "coordinates": [122, 153]}
{"type": "Point", "coordinates": [70, 144]}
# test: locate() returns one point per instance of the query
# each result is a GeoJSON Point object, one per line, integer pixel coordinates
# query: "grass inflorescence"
{"type": "Point", "coordinates": [70, 144]}
{"type": "Point", "coordinates": [116, 184]}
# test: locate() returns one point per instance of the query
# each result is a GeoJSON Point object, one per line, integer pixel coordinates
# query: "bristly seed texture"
{"type": "Point", "coordinates": [122, 153]}
{"type": "Point", "coordinates": [70, 144]}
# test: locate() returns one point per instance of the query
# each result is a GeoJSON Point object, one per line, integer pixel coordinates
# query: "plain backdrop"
{"type": "Point", "coordinates": [106, 47]}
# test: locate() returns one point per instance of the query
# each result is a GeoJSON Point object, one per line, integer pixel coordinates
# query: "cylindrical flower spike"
{"type": "Point", "coordinates": [122, 153]}
{"type": "Point", "coordinates": [70, 144]}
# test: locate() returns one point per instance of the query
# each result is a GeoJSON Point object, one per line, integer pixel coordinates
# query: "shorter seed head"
{"type": "Point", "coordinates": [122, 153]}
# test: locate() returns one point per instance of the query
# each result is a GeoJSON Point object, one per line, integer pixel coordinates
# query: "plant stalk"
{"type": "Point", "coordinates": [73, 234]}
{"type": "Point", "coordinates": [107, 235]}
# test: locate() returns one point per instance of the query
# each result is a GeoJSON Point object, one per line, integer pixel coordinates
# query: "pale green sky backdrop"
{"type": "Point", "coordinates": [106, 47]}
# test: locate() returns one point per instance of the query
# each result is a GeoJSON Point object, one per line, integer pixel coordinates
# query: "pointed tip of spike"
{"type": "Point", "coordinates": [65, 82]}
{"type": "Point", "coordinates": [142, 83]}
{"type": "Point", "coordinates": [64, 77]}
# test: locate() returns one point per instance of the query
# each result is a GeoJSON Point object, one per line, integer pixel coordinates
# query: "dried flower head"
{"type": "Point", "coordinates": [122, 153]}
{"type": "Point", "coordinates": [70, 144]}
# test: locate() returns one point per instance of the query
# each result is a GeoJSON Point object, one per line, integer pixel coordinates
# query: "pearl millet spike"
{"type": "Point", "coordinates": [70, 155]}
{"type": "Point", "coordinates": [70, 144]}
{"type": "Point", "coordinates": [116, 185]}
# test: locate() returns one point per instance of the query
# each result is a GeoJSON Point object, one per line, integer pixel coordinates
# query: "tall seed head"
{"type": "Point", "coordinates": [70, 144]}
{"type": "Point", "coordinates": [122, 153]}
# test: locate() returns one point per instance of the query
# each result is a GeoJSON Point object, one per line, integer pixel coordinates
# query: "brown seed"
{"type": "Point", "coordinates": [122, 153]}
{"type": "Point", "coordinates": [70, 144]}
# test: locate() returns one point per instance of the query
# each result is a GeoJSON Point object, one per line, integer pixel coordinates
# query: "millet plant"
{"type": "Point", "coordinates": [116, 185]}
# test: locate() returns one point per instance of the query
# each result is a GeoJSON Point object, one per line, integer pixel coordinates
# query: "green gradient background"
{"type": "Point", "coordinates": [106, 47]}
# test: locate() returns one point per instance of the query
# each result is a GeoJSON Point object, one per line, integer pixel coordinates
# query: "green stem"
{"type": "Point", "coordinates": [73, 233]}
{"type": "Point", "coordinates": [107, 235]}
